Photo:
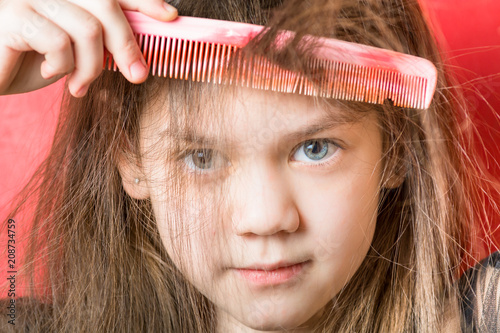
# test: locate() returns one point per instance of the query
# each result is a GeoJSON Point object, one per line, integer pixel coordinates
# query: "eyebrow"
{"type": "Point", "coordinates": [319, 125]}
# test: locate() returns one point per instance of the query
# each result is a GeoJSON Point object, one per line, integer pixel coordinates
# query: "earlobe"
{"type": "Point", "coordinates": [133, 180]}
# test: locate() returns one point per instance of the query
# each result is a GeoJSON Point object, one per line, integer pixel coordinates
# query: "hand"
{"type": "Point", "coordinates": [43, 40]}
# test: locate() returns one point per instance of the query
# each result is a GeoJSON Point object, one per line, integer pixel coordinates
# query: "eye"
{"type": "Point", "coordinates": [204, 160]}
{"type": "Point", "coordinates": [315, 150]}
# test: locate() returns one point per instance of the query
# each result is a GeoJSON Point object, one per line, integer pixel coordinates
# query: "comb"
{"type": "Point", "coordinates": [200, 50]}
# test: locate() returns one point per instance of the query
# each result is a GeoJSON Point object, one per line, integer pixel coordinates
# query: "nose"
{"type": "Point", "coordinates": [263, 203]}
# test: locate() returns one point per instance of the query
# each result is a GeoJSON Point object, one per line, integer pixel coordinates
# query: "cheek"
{"type": "Point", "coordinates": [187, 229]}
{"type": "Point", "coordinates": [341, 214]}
{"type": "Point", "coordinates": [341, 220]}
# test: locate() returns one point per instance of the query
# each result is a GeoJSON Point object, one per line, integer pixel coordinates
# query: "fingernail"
{"type": "Point", "coordinates": [169, 8]}
{"type": "Point", "coordinates": [138, 70]}
{"type": "Point", "coordinates": [81, 92]}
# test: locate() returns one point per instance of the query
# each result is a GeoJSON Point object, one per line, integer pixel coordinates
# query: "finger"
{"type": "Point", "coordinates": [9, 65]}
{"type": "Point", "coordinates": [157, 9]}
{"type": "Point", "coordinates": [85, 32]}
{"type": "Point", "coordinates": [28, 76]}
{"type": "Point", "coordinates": [118, 38]}
{"type": "Point", "coordinates": [43, 36]}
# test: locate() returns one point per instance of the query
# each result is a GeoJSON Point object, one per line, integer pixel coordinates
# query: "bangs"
{"type": "Point", "coordinates": [202, 113]}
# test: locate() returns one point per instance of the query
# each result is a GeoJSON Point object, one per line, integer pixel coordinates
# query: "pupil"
{"type": "Point", "coordinates": [202, 159]}
{"type": "Point", "coordinates": [315, 149]}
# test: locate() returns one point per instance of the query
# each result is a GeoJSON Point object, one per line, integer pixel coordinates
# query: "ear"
{"type": "Point", "coordinates": [130, 172]}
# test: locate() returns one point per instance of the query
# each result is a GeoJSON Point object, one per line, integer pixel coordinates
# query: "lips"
{"type": "Point", "coordinates": [271, 266]}
{"type": "Point", "coordinates": [261, 275]}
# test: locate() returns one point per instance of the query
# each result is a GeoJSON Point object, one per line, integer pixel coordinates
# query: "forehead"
{"type": "Point", "coordinates": [243, 114]}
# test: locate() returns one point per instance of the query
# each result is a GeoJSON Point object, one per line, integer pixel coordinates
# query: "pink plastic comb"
{"type": "Point", "coordinates": [199, 49]}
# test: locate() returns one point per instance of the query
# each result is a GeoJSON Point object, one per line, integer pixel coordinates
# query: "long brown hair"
{"type": "Point", "coordinates": [95, 260]}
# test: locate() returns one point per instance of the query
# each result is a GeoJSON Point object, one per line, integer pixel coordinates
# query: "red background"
{"type": "Point", "coordinates": [469, 31]}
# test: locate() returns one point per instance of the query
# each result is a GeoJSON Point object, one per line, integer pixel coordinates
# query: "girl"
{"type": "Point", "coordinates": [174, 206]}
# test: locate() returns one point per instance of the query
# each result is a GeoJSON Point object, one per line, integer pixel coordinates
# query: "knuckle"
{"type": "Point", "coordinates": [109, 5]}
{"type": "Point", "coordinates": [13, 8]}
{"type": "Point", "coordinates": [13, 40]}
{"type": "Point", "coordinates": [92, 28]}
{"type": "Point", "coordinates": [130, 47]}
{"type": "Point", "coordinates": [61, 42]}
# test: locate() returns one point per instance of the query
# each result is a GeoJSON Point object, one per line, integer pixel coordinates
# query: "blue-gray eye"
{"type": "Point", "coordinates": [200, 159]}
{"type": "Point", "coordinates": [315, 150]}
{"type": "Point", "coordinates": [204, 160]}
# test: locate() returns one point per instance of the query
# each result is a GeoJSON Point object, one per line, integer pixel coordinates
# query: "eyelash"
{"type": "Point", "coordinates": [188, 153]}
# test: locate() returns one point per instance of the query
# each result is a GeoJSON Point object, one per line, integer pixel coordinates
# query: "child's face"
{"type": "Point", "coordinates": [280, 207]}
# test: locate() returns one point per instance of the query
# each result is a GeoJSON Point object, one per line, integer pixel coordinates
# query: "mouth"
{"type": "Point", "coordinates": [272, 274]}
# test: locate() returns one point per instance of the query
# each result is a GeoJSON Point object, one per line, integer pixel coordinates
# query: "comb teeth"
{"type": "Point", "coordinates": [201, 50]}
{"type": "Point", "coordinates": [208, 62]}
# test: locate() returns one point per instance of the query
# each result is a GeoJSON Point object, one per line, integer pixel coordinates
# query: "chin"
{"type": "Point", "coordinates": [272, 327]}
{"type": "Point", "coordinates": [275, 322]}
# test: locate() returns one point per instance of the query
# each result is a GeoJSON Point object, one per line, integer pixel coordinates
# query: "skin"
{"type": "Point", "coordinates": [278, 206]}
{"type": "Point", "coordinates": [43, 40]}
